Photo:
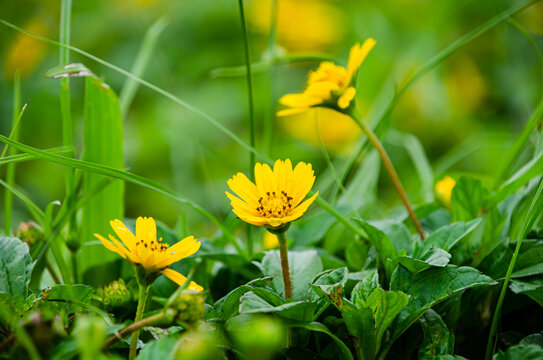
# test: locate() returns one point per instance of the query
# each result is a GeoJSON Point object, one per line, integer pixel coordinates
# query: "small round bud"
{"type": "Point", "coordinates": [189, 307]}
{"type": "Point", "coordinates": [116, 295]}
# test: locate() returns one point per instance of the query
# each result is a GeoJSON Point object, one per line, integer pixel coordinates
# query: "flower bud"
{"type": "Point", "coordinates": [189, 307]}
{"type": "Point", "coordinates": [116, 295]}
{"type": "Point", "coordinates": [29, 232]}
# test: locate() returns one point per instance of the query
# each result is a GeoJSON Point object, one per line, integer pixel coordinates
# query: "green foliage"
{"type": "Point", "coordinates": [15, 266]}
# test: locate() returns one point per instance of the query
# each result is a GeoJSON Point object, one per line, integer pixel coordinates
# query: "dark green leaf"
{"type": "Point", "coordinates": [15, 266]}
{"type": "Point", "coordinates": [364, 288]}
{"type": "Point", "coordinates": [250, 303]}
{"type": "Point", "coordinates": [163, 349]}
{"type": "Point", "coordinates": [468, 198]}
{"type": "Point", "coordinates": [385, 248]}
{"type": "Point", "coordinates": [318, 327]}
{"type": "Point", "coordinates": [435, 257]}
{"type": "Point", "coordinates": [521, 352]}
{"type": "Point", "coordinates": [438, 340]}
{"type": "Point", "coordinates": [446, 237]}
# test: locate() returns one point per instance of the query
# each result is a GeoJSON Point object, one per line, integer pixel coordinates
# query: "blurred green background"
{"type": "Point", "coordinates": [477, 100]}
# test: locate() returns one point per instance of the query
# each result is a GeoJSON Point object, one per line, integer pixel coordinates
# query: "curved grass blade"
{"type": "Point", "coordinates": [26, 157]}
{"type": "Point", "coordinates": [123, 175]}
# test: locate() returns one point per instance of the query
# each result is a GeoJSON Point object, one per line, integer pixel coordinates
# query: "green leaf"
{"type": "Point", "coordinates": [251, 303]}
{"type": "Point", "coordinates": [385, 305]}
{"type": "Point", "coordinates": [304, 265]}
{"type": "Point", "coordinates": [69, 70]}
{"type": "Point", "coordinates": [356, 254]}
{"type": "Point", "coordinates": [329, 279]}
{"type": "Point", "coordinates": [15, 266]}
{"type": "Point", "coordinates": [491, 236]}
{"type": "Point", "coordinates": [364, 288]}
{"type": "Point", "coordinates": [429, 287]}
{"type": "Point", "coordinates": [468, 198]}
{"type": "Point", "coordinates": [435, 257]}
{"type": "Point", "coordinates": [385, 248]}
{"type": "Point", "coordinates": [530, 259]}
{"type": "Point", "coordinates": [163, 349]}
{"type": "Point", "coordinates": [345, 353]}
{"type": "Point", "coordinates": [530, 287]}
{"type": "Point", "coordinates": [103, 132]}
{"type": "Point", "coordinates": [361, 326]}
{"type": "Point", "coordinates": [448, 236]}
{"type": "Point", "coordinates": [438, 340]}
{"type": "Point", "coordinates": [521, 352]}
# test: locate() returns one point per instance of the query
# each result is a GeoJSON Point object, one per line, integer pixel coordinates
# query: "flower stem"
{"type": "Point", "coordinates": [282, 237]}
{"type": "Point", "coordinates": [390, 170]}
{"type": "Point", "coordinates": [142, 298]}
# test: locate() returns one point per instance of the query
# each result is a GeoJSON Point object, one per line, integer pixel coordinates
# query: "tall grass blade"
{"type": "Point", "coordinates": [103, 144]}
{"type": "Point", "coordinates": [130, 86]}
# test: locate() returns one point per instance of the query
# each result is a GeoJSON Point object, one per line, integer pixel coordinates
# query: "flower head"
{"type": "Point", "coordinates": [444, 188]}
{"type": "Point", "coordinates": [148, 254]}
{"type": "Point", "coordinates": [276, 198]}
{"type": "Point", "coordinates": [330, 85]}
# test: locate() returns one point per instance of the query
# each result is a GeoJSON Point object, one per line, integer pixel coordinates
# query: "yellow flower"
{"type": "Point", "coordinates": [444, 189]}
{"type": "Point", "coordinates": [330, 85]}
{"type": "Point", "coordinates": [270, 240]}
{"type": "Point", "coordinates": [25, 53]}
{"type": "Point", "coordinates": [154, 256]}
{"type": "Point", "coordinates": [276, 199]}
{"type": "Point", "coordinates": [302, 25]}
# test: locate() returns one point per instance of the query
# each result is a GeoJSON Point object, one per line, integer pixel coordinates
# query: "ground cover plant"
{"type": "Point", "coordinates": [271, 179]}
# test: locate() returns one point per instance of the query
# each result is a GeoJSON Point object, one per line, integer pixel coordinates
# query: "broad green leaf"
{"type": "Point", "coordinates": [385, 305]}
{"type": "Point", "coordinates": [103, 138]}
{"type": "Point", "coordinates": [530, 259]}
{"type": "Point", "coordinates": [438, 340]}
{"type": "Point", "coordinates": [385, 248]}
{"type": "Point", "coordinates": [345, 353]}
{"type": "Point", "coordinates": [429, 287]}
{"type": "Point", "coordinates": [12, 310]}
{"type": "Point", "coordinates": [532, 287]}
{"type": "Point", "coordinates": [329, 279]}
{"type": "Point", "coordinates": [230, 303]}
{"type": "Point", "coordinates": [364, 288]}
{"type": "Point", "coordinates": [448, 236]}
{"type": "Point", "coordinates": [163, 349]}
{"type": "Point", "coordinates": [250, 303]}
{"type": "Point", "coordinates": [356, 254]}
{"type": "Point", "coordinates": [533, 339]}
{"type": "Point", "coordinates": [431, 258]}
{"type": "Point", "coordinates": [304, 265]}
{"type": "Point", "coordinates": [361, 326]}
{"type": "Point", "coordinates": [15, 266]}
{"type": "Point", "coordinates": [493, 226]}
{"type": "Point", "coordinates": [468, 198]}
{"type": "Point", "coordinates": [521, 352]}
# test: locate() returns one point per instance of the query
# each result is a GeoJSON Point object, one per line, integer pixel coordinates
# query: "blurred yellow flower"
{"type": "Point", "coordinates": [302, 25]}
{"type": "Point", "coordinates": [444, 188]}
{"type": "Point", "coordinates": [24, 53]}
{"type": "Point", "coordinates": [276, 199]}
{"type": "Point", "coordinates": [330, 85]}
{"type": "Point", "coordinates": [270, 240]}
{"type": "Point", "coordinates": [337, 131]}
{"type": "Point", "coordinates": [154, 256]}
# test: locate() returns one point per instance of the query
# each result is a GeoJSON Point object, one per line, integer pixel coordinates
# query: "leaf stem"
{"type": "Point", "coordinates": [142, 298]}
{"type": "Point", "coordinates": [374, 140]}
{"type": "Point", "coordinates": [282, 239]}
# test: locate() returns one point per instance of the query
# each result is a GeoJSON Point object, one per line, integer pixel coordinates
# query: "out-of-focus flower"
{"type": "Point", "coordinates": [337, 131]}
{"type": "Point", "coordinates": [260, 337]}
{"type": "Point", "coordinates": [149, 255]}
{"type": "Point", "coordinates": [330, 85]}
{"type": "Point", "coordinates": [302, 25]}
{"type": "Point", "coordinates": [24, 53]}
{"type": "Point", "coordinates": [466, 86]}
{"type": "Point", "coordinates": [444, 188]}
{"type": "Point", "coordinates": [276, 199]}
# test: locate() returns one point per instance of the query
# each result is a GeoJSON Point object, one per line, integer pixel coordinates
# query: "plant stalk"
{"type": "Point", "coordinates": [251, 110]}
{"type": "Point", "coordinates": [148, 321]}
{"type": "Point", "coordinates": [142, 298]}
{"type": "Point", "coordinates": [282, 239]}
{"type": "Point", "coordinates": [374, 140]}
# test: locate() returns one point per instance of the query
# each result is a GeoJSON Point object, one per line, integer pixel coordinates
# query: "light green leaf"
{"type": "Point", "coordinates": [251, 303]}
{"type": "Point", "coordinates": [15, 266]}
{"type": "Point", "coordinates": [385, 248]}
{"type": "Point", "coordinates": [363, 289]}
{"type": "Point", "coordinates": [468, 198]}
{"type": "Point", "coordinates": [163, 349]}
{"type": "Point", "coordinates": [449, 235]}
{"type": "Point", "coordinates": [304, 265]}
{"type": "Point", "coordinates": [435, 257]}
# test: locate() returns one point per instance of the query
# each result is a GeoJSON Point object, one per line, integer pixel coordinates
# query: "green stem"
{"type": "Point", "coordinates": [27, 343]}
{"type": "Point", "coordinates": [533, 213]}
{"type": "Point", "coordinates": [10, 170]}
{"type": "Point", "coordinates": [282, 238]}
{"type": "Point", "coordinates": [269, 124]}
{"type": "Point", "coordinates": [374, 140]}
{"type": "Point", "coordinates": [251, 110]}
{"type": "Point", "coordinates": [142, 298]}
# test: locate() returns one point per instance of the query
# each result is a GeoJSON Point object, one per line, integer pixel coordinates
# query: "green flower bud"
{"type": "Point", "coordinates": [29, 232]}
{"type": "Point", "coordinates": [116, 295]}
{"type": "Point", "coordinates": [189, 307]}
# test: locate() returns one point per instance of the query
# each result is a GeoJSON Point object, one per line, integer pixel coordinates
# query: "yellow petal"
{"type": "Point", "coordinates": [358, 54]}
{"type": "Point", "coordinates": [302, 100]}
{"type": "Point", "coordinates": [180, 280]}
{"type": "Point", "coordinates": [345, 99]}
{"type": "Point", "coordinates": [244, 188]}
{"type": "Point", "coordinates": [184, 248]}
{"type": "Point", "coordinates": [302, 182]}
{"type": "Point", "coordinates": [238, 204]}
{"type": "Point", "coordinates": [110, 246]}
{"type": "Point", "coordinates": [275, 222]}
{"type": "Point", "coordinates": [287, 112]}
{"type": "Point", "coordinates": [126, 236]}
{"type": "Point", "coordinates": [302, 208]}
{"type": "Point", "coordinates": [146, 228]}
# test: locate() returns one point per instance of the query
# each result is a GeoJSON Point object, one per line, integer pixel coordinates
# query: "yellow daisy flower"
{"type": "Point", "coordinates": [330, 85]}
{"type": "Point", "coordinates": [276, 198]}
{"type": "Point", "coordinates": [444, 189]}
{"type": "Point", "coordinates": [154, 256]}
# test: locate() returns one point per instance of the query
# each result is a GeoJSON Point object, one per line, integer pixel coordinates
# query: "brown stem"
{"type": "Point", "coordinates": [6, 342]}
{"type": "Point", "coordinates": [148, 321]}
{"type": "Point", "coordinates": [282, 237]}
{"type": "Point", "coordinates": [390, 170]}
